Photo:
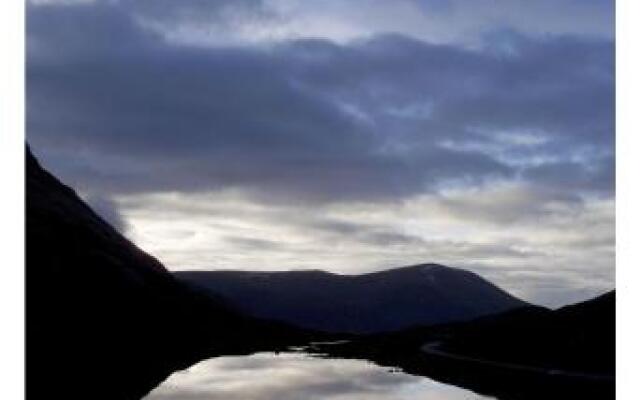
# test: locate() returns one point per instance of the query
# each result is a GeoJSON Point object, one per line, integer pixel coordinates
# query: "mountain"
{"type": "Point", "coordinates": [526, 353]}
{"type": "Point", "coordinates": [375, 302]}
{"type": "Point", "coordinates": [579, 337]}
{"type": "Point", "coordinates": [104, 320]}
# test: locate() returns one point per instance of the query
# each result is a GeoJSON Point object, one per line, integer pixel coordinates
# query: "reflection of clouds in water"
{"type": "Point", "coordinates": [290, 376]}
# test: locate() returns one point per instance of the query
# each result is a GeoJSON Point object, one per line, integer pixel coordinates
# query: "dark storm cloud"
{"type": "Point", "coordinates": [306, 120]}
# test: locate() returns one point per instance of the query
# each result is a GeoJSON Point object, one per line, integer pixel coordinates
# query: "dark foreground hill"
{"type": "Point", "coordinates": [376, 302]}
{"type": "Point", "coordinates": [580, 337]}
{"type": "Point", "coordinates": [527, 353]}
{"type": "Point", "coordinates": [104, 319]}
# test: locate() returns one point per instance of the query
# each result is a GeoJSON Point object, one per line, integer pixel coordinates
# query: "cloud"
{"type": "Point", "coordinates": [441, 21]}
{"type": "Point", "coordinates": [250, 244]}
{"type": "Point", "coordinates": [544, 250]}
{"type": "Point", "coordinates": [275, 135]}
{"type": "Point", "coordinates": [307, 119]}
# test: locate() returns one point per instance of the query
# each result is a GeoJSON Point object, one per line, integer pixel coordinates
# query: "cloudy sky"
{"type": "Point", "coordinates": [348, 136]}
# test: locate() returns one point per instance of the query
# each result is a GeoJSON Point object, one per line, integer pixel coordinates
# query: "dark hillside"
{"type": "Point", "coordinates": [106, 320]}
{"type": "Point", "coordinates": [375, 302]}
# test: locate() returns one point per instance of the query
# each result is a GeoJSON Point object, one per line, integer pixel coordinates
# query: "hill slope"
{"type": "Point", "coordinates": [375, 302]}
{"type": "Point", "coordinates": [527, 353]}
{"type": "Point", "coordinates": [578, 337]}
{"type": "Point", "coordinates": [105, 320]}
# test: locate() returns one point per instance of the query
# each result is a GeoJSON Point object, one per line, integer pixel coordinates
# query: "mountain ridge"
{"type": "Point", "coordinates": [392, 299]}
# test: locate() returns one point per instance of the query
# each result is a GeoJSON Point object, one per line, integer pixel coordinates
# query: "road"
{"type": "Point", "coordinates": [432, 348]}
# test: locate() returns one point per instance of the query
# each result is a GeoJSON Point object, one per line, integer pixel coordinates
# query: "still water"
{"type": "Point", "coordinates": [297, 376]}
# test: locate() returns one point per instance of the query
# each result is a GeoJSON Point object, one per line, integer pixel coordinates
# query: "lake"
{"type": "Point", "coordinates": [297, 376]}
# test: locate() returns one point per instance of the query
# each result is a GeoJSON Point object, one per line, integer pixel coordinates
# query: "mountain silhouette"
{"type": "Point", "coordinates": [527, 353]}
{"type": "Point", "coordinates": [389, 300]}
{"type": "Point", "coordinates": [578, 337]}
{"type": "Point", "coordinates": [104, 319]}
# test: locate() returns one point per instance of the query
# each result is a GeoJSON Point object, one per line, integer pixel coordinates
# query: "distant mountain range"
{"type": "Point", "coordinates": [383, 301]}
{"type": "Point", "coordinates": [105, 320]}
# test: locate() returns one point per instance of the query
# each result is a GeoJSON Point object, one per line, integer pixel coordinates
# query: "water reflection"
{"type": "Point", "coordinates": [295, 376]}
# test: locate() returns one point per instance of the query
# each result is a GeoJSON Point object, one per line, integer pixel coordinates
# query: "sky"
{"type": "Point", "coordinates": [348, 136]}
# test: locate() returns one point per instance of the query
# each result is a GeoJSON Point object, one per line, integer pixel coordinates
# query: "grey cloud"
{"type": "Point", "coordinates": [330, 230]}
{"type": "Point", "coordinates": [474, 251]}
{"type": "Point", "coordinates": [303, 120]}
{"type": "Point", "coordinates": [383, 238]}
{"type": "Point", "coordinates": [443, 21]}
{"type": "Point", "coordinates": [596, 174]}
{"type": "Point", "coordinates": [509, 205]}
{"type": "Point", "coordinates": [115, 107]}
{"type": "Point", "coordinates": [368, 234]}
{"type": "Point", "coordinates": [560, 86]}
{"type": "Point", "coordinates": [510, 235]}
{"type": "Point", "coordinates": [189, 10]}
{"type": "Point", "coordinates": [249, 243]}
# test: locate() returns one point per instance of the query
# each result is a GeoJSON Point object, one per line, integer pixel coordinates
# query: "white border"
{"type": "Point", "coordinates": [627, 197]}
{"type": "Point", "coordinates": [12, 199]}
